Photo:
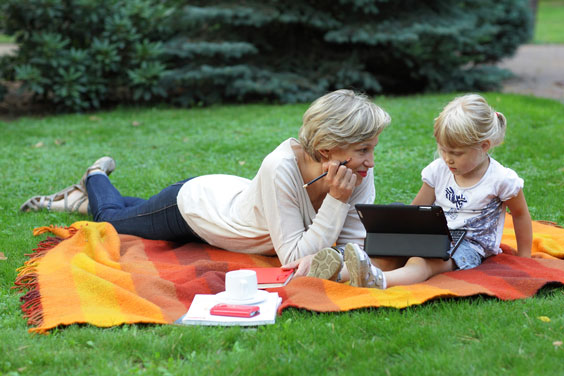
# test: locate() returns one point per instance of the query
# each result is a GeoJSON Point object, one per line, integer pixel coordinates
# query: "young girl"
{"type": "Point", "coordinates": [472, 188]}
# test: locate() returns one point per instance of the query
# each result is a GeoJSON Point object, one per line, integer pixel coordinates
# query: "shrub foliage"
{"type": "Point", "coordinates": [295, 51]}
{"type": "Point", "coordinates": [80, 54]}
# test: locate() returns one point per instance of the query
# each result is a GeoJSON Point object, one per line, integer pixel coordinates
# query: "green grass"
{"type": "Point", "coordinates": [453, 336]}
{"type": "Point", "coordinates": [6, 39]}
{"type": "Point", "coordinates": [550, 22]}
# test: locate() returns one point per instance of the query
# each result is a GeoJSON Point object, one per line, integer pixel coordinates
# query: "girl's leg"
{"type": "Point", "coordinates": [382, 263]}
{"type": "Point", "coordinates": [389, 262]}
{"type": "Point", "coordinates": [155, 218]}
{"type": "Point", "coordinates": [417, 270]}
{"type": "Point", "coordinates": [363, 273]}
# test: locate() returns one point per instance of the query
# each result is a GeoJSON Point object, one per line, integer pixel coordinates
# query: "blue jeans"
{"type": "Point", "coordinates": [156, 218]}
{"type": "Point", "coordinates": [466, 257]}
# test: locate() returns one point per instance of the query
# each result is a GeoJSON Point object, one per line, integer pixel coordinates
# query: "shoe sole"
{"type": "Point", "coordinates": [326, 264]}
{"type": "Point", "coordinates": [352, 261]}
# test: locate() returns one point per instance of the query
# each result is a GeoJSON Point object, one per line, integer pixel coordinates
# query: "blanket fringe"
{"type": "Point", "coordinates": [60, 231]}
{"type": "Point", "coordinates": [549, 223]}
{"type": "Point", "coordinates": [43, 247]}
{"type": "Point", "coordinates": [27, 280]}
{"type": "Point", "coordinates": [31, 307]}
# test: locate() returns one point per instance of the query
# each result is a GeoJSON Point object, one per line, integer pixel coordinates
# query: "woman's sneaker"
{"type": "Point", "coordinates": [326, 264]}
{"type": "Point", "coordinates": [362, 272]}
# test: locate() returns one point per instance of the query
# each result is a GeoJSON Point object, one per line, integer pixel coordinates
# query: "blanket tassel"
{"type": "Point", "coordinates": [27, 281]}
{"type": "Point", "coordinates": [32, 308]}
{"type": "Point", "coordinates": [27, 277]}
{"type": "Point", "coordinates": [60, 231]}
{"type": "Point", "coordinates": [44, 246]}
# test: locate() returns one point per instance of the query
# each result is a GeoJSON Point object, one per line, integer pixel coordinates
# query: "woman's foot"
{"type": "Point", "coordinates": [326, 264]}
{"type": "Point", "coordinates": [362, 272]}
{"type": "Point", "coordinates": [70, 199]}
{"type": "Point", "coordinates": [104, 164]}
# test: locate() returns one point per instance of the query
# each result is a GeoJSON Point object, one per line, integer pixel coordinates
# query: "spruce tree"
{"type": "Point", "coordinates": [295, 51]}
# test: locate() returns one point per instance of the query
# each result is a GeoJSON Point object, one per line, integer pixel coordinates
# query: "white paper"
{"type": "Point", "coordinates": [199, 312]}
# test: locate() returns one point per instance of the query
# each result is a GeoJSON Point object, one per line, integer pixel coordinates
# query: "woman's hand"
{"type": "Point", "coordinates": [301, 265]}
{"type": "Point", "coordinates": [341, 180]}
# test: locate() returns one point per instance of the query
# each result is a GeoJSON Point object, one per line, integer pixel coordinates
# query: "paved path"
{"type": "Point", "coordinates": [539, 70]}
{"type": "Point", "coordinates": [6, 48]}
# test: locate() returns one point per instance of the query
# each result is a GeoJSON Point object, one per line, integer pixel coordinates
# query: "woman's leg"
{"type": "Point", "coordinates": [70, 199]}
{"type": "Point", "coordinates": [133, 201]}
{"type": "Point", "coordinates": [155, 218]}
{"type": "Point", "coordinates": [74, 197]}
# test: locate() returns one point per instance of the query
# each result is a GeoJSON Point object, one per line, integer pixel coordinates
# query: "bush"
{"type": "Point", "coordinates": [3, 91]}
{"type": "Point", "coordinates": [83, 54]}
{"type": "Point", "coordinates": [296, 51]}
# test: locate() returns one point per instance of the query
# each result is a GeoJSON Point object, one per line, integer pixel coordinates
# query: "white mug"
{"type": "Point", "coordinates": [241, 284]}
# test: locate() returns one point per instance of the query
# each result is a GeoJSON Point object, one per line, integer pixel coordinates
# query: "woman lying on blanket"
{"type": "Point", "coordinates": [274, 210]}
{"type": "Point", "coordinates": [472, 188]}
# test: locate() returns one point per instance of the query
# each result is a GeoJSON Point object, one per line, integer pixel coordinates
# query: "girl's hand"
{"type": "Point", "coordinates": [302, 266]}
{"type": "Point", "coordinates": [341, 180]}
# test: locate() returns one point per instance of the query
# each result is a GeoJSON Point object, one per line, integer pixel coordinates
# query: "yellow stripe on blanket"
{"type": "Point", "coordinates": [548, 239]}
{"type": "Point", "coordinates": [84, 272]}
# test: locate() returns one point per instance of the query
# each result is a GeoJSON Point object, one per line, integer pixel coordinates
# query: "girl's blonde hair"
{"type": "Point", "coordinates": [468, 121]}
{"type": "Point", "coordinates": [338, 119]}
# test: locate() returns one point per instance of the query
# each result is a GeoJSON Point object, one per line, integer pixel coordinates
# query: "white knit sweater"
{"type": "Point", "coordinates": [271, 213]}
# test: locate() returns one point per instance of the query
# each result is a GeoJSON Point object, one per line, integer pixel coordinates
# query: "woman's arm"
{"type": "Point", "coordinates": [353, 230]}
{"type": "Point", "coordinates": [294, 227]}
{"type": "Point", "coordinates": [521, 223]}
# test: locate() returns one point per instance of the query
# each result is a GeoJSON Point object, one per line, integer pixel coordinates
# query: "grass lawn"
{"type": "Point", "coordinates": [549, 24]}
{"type": "Point", "coordinates": [155, 147]}
{"type": "Point", "coordinates": [6, 39]}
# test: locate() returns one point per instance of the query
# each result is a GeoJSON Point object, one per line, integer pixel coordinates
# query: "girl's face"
{"type": "Point", "coordinates": [466, 161]}
{"type": "Point", "coordinates": [360, 156]}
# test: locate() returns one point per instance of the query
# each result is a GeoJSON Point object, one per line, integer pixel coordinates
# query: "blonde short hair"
{"type": "Point", "coordinates": [467, 121]}
{"type": "Point", "coordinates": [338, 119]}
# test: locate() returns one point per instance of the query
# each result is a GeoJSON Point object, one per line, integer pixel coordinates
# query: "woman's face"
{"type": "Point", "coordinates": [360, 156]}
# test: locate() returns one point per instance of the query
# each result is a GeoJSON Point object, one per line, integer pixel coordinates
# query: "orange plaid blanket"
{"type": "Point", "coordinates": [89, 274]}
